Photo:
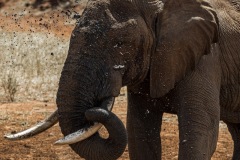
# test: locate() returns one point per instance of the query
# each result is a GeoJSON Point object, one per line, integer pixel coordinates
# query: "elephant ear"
{"type": "Point", "coordinates": [186, 29]}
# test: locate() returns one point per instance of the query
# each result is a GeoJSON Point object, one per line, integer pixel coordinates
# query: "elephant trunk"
{"type": "Point", "coordinates": [76, 101]}
{"type": "Point", "coordinates": [97, 148]}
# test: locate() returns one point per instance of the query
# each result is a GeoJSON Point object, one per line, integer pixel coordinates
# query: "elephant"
{"type": "Point", "coordinates": [180, 57]}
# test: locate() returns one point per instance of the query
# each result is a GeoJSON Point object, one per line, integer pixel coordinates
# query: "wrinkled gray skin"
{"type": "Point", "coordinates": [181, 57]}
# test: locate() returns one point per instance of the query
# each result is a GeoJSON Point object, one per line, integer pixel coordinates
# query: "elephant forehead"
{"type": "Point", "coordinates": [92, 26]}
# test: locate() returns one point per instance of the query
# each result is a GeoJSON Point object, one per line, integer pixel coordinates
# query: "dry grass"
{"type": "Point", "coordinates": [33, 61]}
{"type": "Point", "coordinates": [9, 84]}
{"type": "Point", "coordinates": [33, 48]}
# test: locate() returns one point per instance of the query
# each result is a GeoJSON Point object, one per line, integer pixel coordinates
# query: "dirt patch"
{"type": "Point", "coordinates": [16, 17]}
{"type": "Point", "coordinates": [34, 45]}
{"type": "Point", "coordinates": [18, 116]}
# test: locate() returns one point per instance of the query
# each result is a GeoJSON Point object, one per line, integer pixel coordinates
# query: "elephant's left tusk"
{"type": "Point", "coordinates": [88, 131]}
{"type": "Point", "coordinates": [38, 128]}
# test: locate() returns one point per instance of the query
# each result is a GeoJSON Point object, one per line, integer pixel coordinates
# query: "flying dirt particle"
{"type": "Point", "coordinates": [52, 54]}
{"type": "Point", "coordinates": [27, 4]}
{"type": "Point", "coordinates": [76, 16]}
{"type": "Point", "coordinates": [27, 146]}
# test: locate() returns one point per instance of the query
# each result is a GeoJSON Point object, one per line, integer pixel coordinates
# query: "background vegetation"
{"type": "Point", "coordinates": [34, 39]}
{"type": "Point", "coordinates": [30, 65]}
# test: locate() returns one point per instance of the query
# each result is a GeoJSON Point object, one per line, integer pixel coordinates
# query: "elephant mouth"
{"type": "Point", "coordinates": [88, 130]}
{"type": "Point", "coordinates": [51, 120]}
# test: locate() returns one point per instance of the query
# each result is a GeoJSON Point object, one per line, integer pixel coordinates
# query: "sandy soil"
{"type": "Point", "coordinates": [18, 116]}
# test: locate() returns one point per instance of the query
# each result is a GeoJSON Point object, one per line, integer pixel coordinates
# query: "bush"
{"type": "Point", "coordinates": [9, 84]}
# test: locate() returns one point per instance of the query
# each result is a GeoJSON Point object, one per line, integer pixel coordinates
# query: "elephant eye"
{"type": "Point", "coordinates": [120, 43]}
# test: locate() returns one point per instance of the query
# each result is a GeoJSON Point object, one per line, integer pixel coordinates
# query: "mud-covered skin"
{"type": "Point", "coordinates": [108, 35]}
{"type": "Point", "coordinates": [229, 21]}
{"type": "Point", "coordinates": [179, 57]}
{"type": "Point", "coordinates": [229, 29]}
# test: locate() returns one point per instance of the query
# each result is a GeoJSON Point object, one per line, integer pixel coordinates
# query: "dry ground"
{"type": "Point", "coordinates": [19, 116]}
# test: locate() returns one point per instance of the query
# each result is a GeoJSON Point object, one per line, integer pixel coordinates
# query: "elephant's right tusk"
{"type": "Point", "coordinates": [88, 131]}
{"type": "Point", "coordinates": [38, 128]}
{"type": "Point", "coordinates": [79, 135]}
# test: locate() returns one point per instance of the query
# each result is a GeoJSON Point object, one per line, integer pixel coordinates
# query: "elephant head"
{"type": "Point", "coordinates": [109, 48]}
{"type": "Point", "coordinates": [119, 43]}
